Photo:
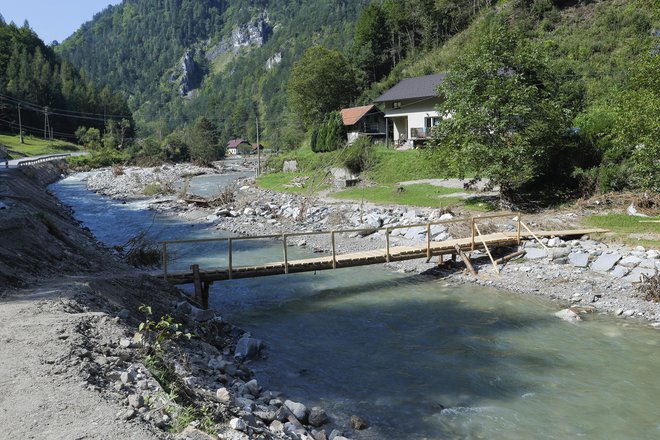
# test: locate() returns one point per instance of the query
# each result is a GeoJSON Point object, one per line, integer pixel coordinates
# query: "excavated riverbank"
{"type": "Point", "coordinates": [74, 361]}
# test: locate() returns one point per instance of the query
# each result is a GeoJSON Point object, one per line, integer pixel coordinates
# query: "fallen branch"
{"type": "Point", "coordinates": [466, 260]}
{"type": "Point", "coordinates": [506, 258]}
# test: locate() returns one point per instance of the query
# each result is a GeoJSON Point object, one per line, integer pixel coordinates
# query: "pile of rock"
{"type": "Point", "coordinates": [222, 381]}
{"type": "Point", "coordinates": [617, 261]}
{"type": "Point", "coordinates": [130, 183]}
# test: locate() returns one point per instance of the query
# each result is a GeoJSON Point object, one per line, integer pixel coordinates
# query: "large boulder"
{"type": "Point", "coordinates": [248, 348]}
{"type": "Point", "coordinates": [317, 416]}
{"type": "Point", "coordinates": [606, 262]}
{"type": "Point", "coordinates": [568, 315]}
{"type": "Point", "coordinates": [297, 409]}
{"type": "Point", "coordinates": [579, 259]}
{"type": "Point", "coordinates": [290, 166]}
{"type": "Point", "coordinates": [535, 253]}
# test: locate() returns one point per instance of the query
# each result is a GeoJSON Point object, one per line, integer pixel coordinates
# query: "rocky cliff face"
{"type": "Point", "coordinates": [274, 60]}
{"type": "Point", "coordinates": [190, 73]}
{"type": "Point", "coordinates": [252, 34]}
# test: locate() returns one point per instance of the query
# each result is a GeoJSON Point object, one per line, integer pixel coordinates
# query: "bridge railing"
{"type": "Point", "coordinates": [472, 221]}
{"type": "Point", "coordinates": [28, 162]}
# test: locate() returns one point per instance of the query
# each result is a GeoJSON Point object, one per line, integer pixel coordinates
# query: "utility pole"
{"type": "Point", "coordinates": [45, 122]}
{"type": "Point", "coordinates": [258, 150]}
{"type": "Point", "coordinates": [20, 125]}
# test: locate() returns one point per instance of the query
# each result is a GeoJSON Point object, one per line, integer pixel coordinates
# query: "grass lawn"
{"type": "Point", "coordinates": [414, 195]}
{"type": "Point", "coordinates": [399, 166]}
{"type": "Point", "coordinates": [643, 231]}
{"type": "Point", "coordinates": [278, 182]}
{"type": "Point", "coordinates": [35, 146]}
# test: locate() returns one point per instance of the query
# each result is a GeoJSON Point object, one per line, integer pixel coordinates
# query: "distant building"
{"type": "Point", "coordinates": [255, 147]}
{"type": "Point", "coordinates": [234, 144]}
{"type": "Point", "coordinates": [367, 120]}
{"type": "Point", "coordinates": [410, 106]}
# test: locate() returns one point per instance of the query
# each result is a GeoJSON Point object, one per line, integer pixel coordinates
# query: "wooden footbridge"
{"type": "Point", "coordinates": [204, 277]}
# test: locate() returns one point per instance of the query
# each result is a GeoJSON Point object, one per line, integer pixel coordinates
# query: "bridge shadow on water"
{"type": "Point", "coordinates": [396, 348]}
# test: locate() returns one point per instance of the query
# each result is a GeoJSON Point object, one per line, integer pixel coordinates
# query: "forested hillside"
{"type": "Point", "coordinates": [224, 59]}
{"type": "Point", "coordinates": [579, 87]}
{"type": "Point", "coordinates": [34, 76]}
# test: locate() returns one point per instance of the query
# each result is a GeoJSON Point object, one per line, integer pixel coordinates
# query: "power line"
{"type": "Point", "coordinates": [59, 111]}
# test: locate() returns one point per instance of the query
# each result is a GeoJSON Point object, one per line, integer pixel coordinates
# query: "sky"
{"type": "Point", "coordinates": [52, 19]}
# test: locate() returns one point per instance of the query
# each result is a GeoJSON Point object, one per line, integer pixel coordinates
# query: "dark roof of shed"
{"type": "Point", "coordinates": [234, 143]}
{"type": "Point", "coordinates": [413, 88]}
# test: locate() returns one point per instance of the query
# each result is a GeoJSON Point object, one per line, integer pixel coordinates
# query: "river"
{"type": "Point", "coordinates": [417, 357]}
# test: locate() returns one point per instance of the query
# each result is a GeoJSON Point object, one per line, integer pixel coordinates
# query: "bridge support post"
{"type": "Point", "coordinates": [165, 261]}
{"type": "Point", "coordinates": [334, 250]}
{"type": "Point", "coordinates": [201, 287]}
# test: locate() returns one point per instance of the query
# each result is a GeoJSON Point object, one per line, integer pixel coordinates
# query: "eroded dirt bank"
{"type": "Point", "coordinates": [76, 366]}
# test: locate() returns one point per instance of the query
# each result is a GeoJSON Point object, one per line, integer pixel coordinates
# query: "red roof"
{"type": "Point", "coordinates": [351, 116]}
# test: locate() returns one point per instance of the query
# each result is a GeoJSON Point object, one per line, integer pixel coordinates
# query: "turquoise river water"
{"type": "Point", "coordinates": [416, 357]}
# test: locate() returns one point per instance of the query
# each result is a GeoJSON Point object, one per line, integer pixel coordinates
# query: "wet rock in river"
{"type": "Point", "coordinates": [297, 409]}
{"type": "Point", "coordinates": [248, 348]}
{"type": "Point", "coordinates": [317, 416]}
{"type": "Point", "coordinates": [568, 315]}
{"type": "Point", "coordinates": [358, 423]}
{"type": "Point", "coordinates": [253, 387]}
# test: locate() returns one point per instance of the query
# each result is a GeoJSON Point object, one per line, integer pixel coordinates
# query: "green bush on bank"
{"type": "Point", "coordinates": [99, 159]}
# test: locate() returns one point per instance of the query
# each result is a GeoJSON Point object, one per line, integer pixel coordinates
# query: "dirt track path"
{"type": "Point", "coordinates": [41, 396]}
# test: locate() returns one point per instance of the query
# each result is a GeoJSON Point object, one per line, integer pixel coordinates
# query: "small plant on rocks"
{"type": "Point", "coordinates": [157, 333]}
{"type": "Point", "coordinates": [650, 287]}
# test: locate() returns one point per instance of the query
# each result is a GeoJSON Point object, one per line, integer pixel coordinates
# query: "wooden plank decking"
{"type": "Point", "coordinates": [379, 256]}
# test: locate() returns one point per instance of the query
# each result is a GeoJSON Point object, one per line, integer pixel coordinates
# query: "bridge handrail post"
{"type": "Point", "coordinates": [519, 227]}
{"type": "Point", "coordinates": [165, 261]}
{"type": "Point", "coordinates": [286, 257]}
{"type": "Point", "coordinates": [428, 241]}
{"type": "Point", "coordinates": [334, 250]}
{"type": "Point", "coordinates": [229, 258]}
{"type": "Point", "coordinates": [388, 231]}
{"type": "Point", "coordinates": [472, 223]}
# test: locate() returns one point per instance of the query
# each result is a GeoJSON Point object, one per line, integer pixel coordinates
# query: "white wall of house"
{"type": "Point", "coordinates": [415, 112]}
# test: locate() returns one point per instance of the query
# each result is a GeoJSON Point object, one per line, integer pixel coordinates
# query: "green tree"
{"type": "Point", "coordinates": [321, 81]}
{"type": "Point", "coordinates": [371, 42]}
{"type": "Point", "coordinates": [203, 141]}
{"type": "Point", "coordinates": [506, 114]}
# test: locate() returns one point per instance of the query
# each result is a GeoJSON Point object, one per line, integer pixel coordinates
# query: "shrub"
{"type": "Point", "coordinates": [359, 156]}
{"type": "Point", "coordinates": [98, 159]}
{"type": "Point", "coordinates": [330, 135]}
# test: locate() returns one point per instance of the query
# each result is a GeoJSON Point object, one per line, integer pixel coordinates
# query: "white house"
{"type": "Point", "coordinates": [410, 107]}
{"type": "Point", "coordinates": [234, 145]}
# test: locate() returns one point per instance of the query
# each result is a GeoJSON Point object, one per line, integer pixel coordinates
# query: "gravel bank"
{"type": "Point", "coordinates": [585, 274]}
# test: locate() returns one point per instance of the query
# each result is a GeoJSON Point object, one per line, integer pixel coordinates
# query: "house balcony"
{"type": "Point", "coordinates": [420, 133]}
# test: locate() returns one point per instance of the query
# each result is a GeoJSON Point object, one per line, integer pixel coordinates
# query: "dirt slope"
{"type": "Point", "coordinates": [60, 297]}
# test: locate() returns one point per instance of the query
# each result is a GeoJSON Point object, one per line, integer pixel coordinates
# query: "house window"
{"type": "Point", "coordinates": [431, 122]}
{"type": "Point", "coordinates": [396, 105]}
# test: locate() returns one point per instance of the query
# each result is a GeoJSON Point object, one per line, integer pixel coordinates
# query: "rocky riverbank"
{"type": "Point", "coordinates": [587, 275]}
{"type": "Point", "coordinates": [583, 276]}
{"type": "Point", "coordinates": [81, 360]}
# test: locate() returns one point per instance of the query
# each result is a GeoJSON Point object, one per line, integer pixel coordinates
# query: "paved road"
{"type": "Point", "coordinates": [15, 163]}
